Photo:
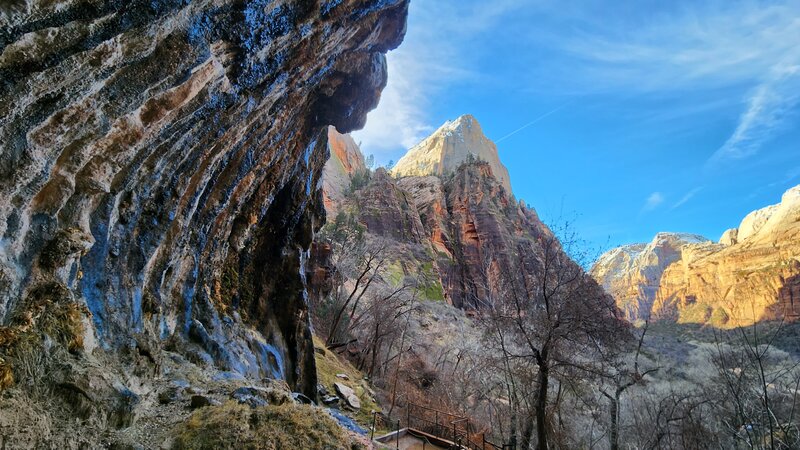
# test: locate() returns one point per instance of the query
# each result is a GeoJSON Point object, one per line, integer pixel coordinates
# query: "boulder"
{"type": "Point", "coordinates": [256, 396]}
{"type": "Point", "coordinates": [348, 395]}
{"type": "Point", "coordinates": [200, 401]}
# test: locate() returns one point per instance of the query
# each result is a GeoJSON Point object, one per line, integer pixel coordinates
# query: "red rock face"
{"type": "Point", "coordinates": [473, 227]}
{"type": "Point", "coordinates": [488, 233]}
{"type": "Point", "coordinates": [345, 162]}
{"type": "Point", "coordinates": [388, 211]}
{"type": "Point", "coordinates": [344, 149]}
{"type": "Point", "coordinates": [463, 228]}
{"type": "Point", "coordinates": [161, 160]}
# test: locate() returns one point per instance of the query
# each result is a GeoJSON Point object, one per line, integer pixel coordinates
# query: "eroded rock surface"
{"type": "Point", "coordinates": [161, 162]}
{"type": "Point", "coordinates": [345, 163]}
{"type": "Point", "coordinates": [452, 222]}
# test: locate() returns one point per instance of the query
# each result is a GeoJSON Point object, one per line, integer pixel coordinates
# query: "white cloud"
{"type": "Point", "coordinates": [435, 54]}
{"type": "Point", "coordinates": [686, 197]}
{"type": "Point", "coordinates": [399, 120]}
{"type": "Point", "coordinates": [653, 201]}
{"type": "Point", "coordinates": [728, 53]}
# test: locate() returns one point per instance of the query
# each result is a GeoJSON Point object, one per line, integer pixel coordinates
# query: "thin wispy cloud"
{"type": "Point", "coordinates": [653, 201]}
{"type": "Point", "coordinates": [533, 122]}
{"type": "Point", "coordinates": [686, 197]}
{"type": "Point", "coordinates": [745, 47]}
{"type": "Point", "coordinates": [399, 120]}
{"type": "Point", "coordinates": [702, 45]}
{"type": "Point", "coordinates": [768, 109]}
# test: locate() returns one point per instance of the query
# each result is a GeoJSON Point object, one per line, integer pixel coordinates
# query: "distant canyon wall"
{"type": "Point", "coordinates": [752, 274]}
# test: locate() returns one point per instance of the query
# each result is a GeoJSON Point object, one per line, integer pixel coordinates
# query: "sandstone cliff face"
{"type": "Point", "coordinates": [160, 160]}
{"type": "Point", "coordinates": [456, 221]}
{"type": "Point", "coordinates": [388, 211]}
{"type": "Point", "coordinates": [487, 232]}
{"type": "Point", "coordinates": [757, 277]}
{"type": "Point", "coordinates": [345, 162]}
{"type": "Point", "coordinates": [462, 230]}
{"type": "Point", "coordinates": [632, 273]}
{"type": "Point", "coordinates": [448, 147]}
{"type": "Point", "coordinates": [752, 275]}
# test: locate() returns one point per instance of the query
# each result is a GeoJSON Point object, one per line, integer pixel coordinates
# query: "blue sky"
{"type": "Point", "coordinates": [633, 116]}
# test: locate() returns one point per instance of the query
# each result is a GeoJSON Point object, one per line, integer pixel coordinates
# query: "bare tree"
{"type": "Point", "coordinates": [623, 377]}
{"type": "Point", "coordinates": [358, 262]}
{"type": "Point", "coordinates": [552, 317]}
{"type": "Point", "coordinates": [759, 386]}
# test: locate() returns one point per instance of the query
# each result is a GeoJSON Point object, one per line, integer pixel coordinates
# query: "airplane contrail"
{"type": "Point", "coordinates": [533, 122]}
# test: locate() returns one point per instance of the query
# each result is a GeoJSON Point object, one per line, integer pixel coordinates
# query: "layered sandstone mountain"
{"type": "Point", "coordinates": [632, 273]}
{"type": "Point", "coordinates": [159, 179]}
{"type": "Point", "coordinates": [753, 274]}
{"type": "Point", "coordinates": [448, 147]}
{"type": "Point", "coordinates": [455, 223]}
{"type": "Point", "coordinates": [478, 229]}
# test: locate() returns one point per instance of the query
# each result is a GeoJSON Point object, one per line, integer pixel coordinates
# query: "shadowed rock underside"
{"type": "Point", "coordinates": [161, 162]}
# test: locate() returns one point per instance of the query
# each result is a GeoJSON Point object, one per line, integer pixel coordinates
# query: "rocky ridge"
{"type": "Point", "coordinates": [452, 219]}
{"type": "Point", "coordinates": [752, 274]}
{"type": "Point", "coordinates": [345, 162]}
{"type": "Point", "coordinates": [632, 273]}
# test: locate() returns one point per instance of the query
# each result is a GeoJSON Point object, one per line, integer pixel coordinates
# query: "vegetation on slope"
{"type": "Point", "coordinates": [236, 426]}
{"type": "Point", "coordinates": [329, 365]}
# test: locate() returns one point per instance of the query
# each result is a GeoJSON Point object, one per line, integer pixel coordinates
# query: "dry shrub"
{"type": "Point", "coordinates": [237, 426]}
{"type": "Point", "coordinates": [6, 375]}
{"type": "Point", "coordinates": [48, 322]}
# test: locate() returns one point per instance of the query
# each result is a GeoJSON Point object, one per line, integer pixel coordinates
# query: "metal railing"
{"type": "Point", "coordinates": [442, 425]}
{"type": "Point", "coordinates": [448, 426]}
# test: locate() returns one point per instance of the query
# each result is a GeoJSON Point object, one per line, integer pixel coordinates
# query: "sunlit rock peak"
{"type": "Point", "coordinates": [450, 146]}
{"type": "Point", "coordinates": [752, 274]}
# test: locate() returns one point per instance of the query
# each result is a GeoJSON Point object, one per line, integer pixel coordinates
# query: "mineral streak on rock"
{"type": "Point", "coordinates": [162, 159]}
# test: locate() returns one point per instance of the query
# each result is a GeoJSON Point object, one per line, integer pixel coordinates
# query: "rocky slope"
{"type": "Point", "coordinates": [448, 147]}
{"type": "Point", "coordinates": [159, 179]}
{"type": "Point", "coordinates": [753, 274]}
{"type": "Point", "coordinates": [453, 223]}
{"type": "Point", "coordinates": [457, 240]}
